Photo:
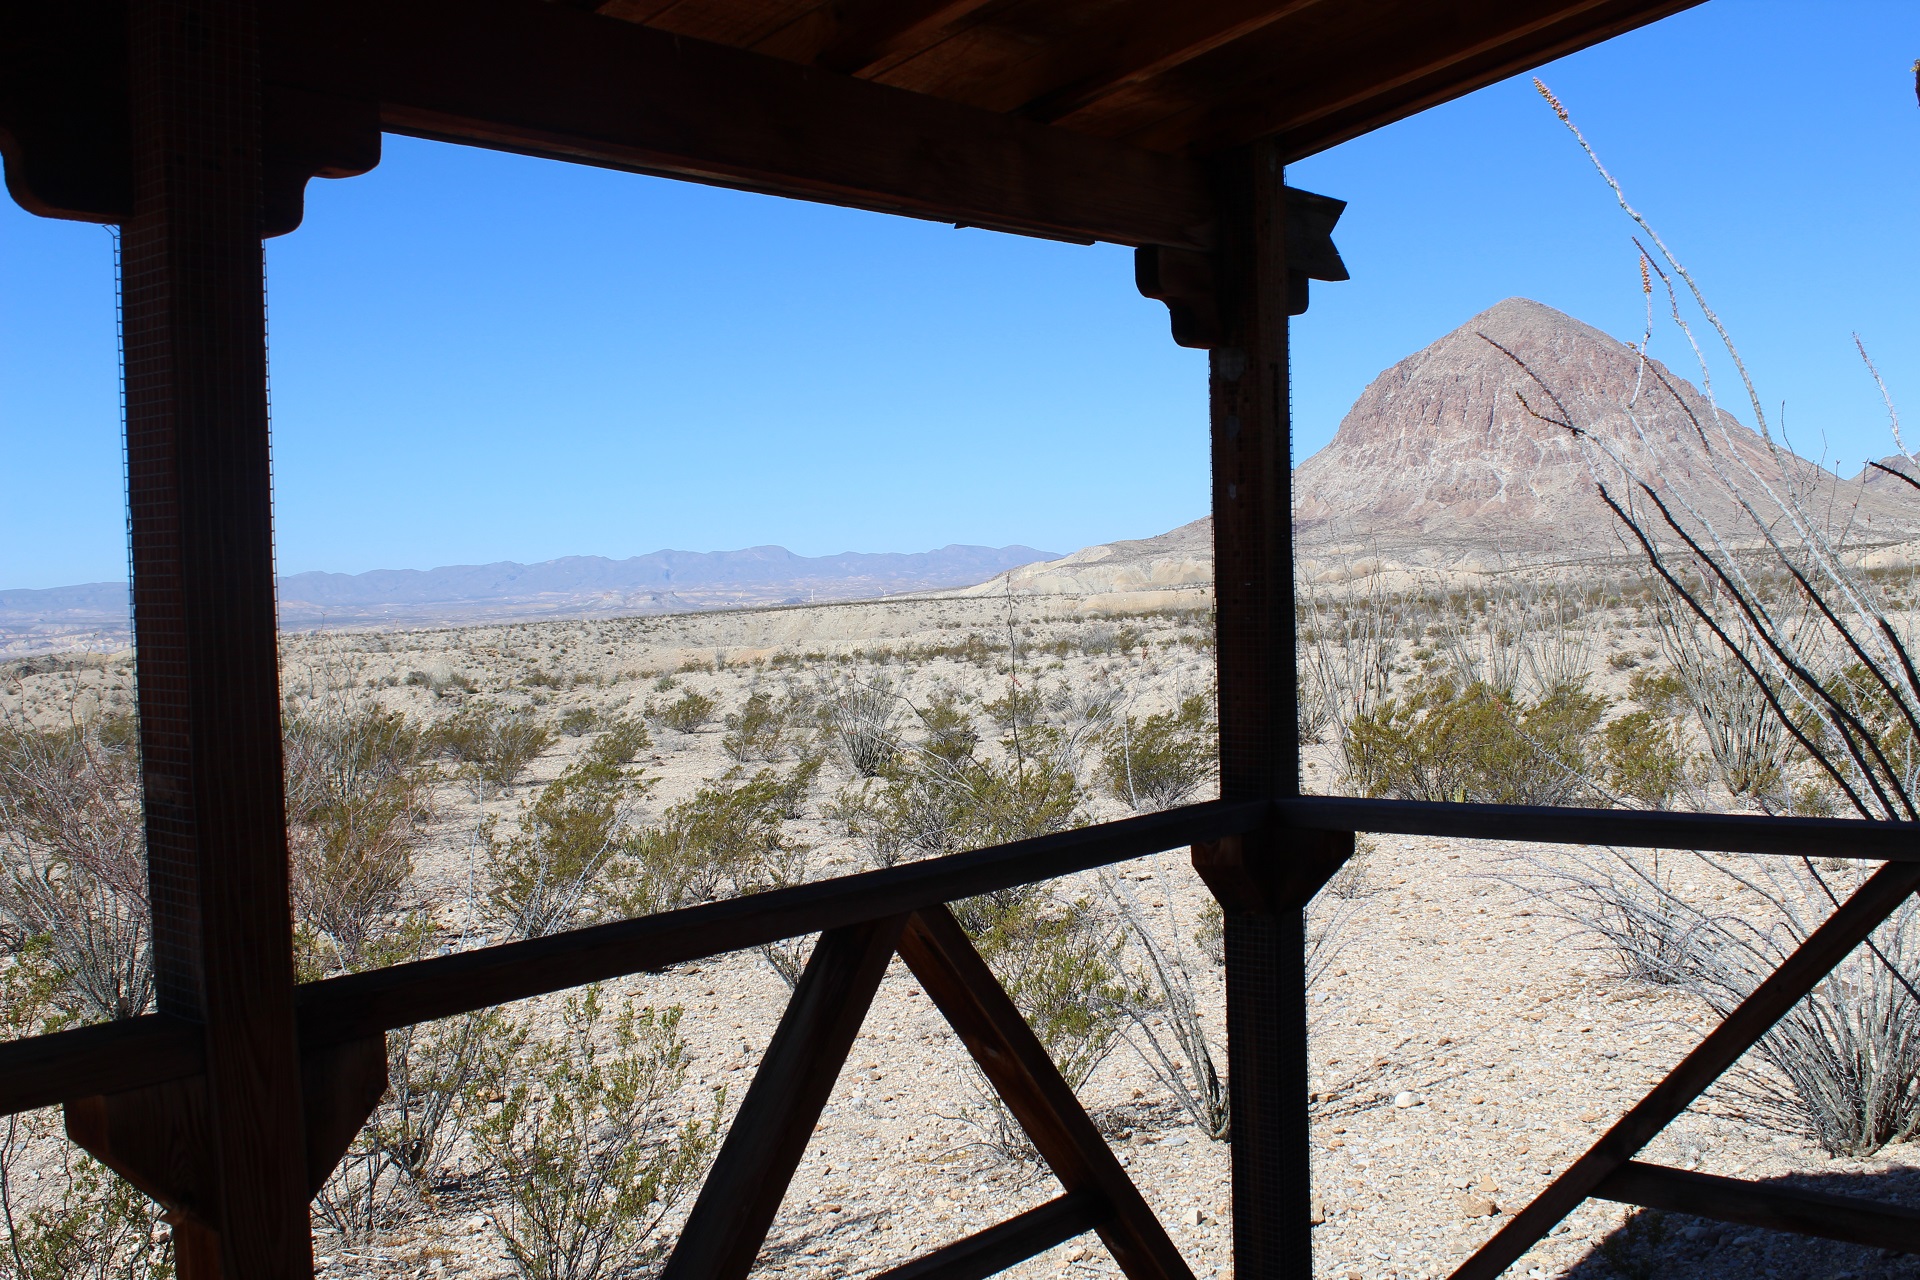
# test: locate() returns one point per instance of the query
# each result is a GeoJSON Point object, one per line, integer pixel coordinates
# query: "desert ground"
{"type": "Point", "coordinates": [1468, 1038]}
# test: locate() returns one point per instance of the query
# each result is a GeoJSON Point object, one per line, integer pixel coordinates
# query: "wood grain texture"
{"type": "Point", "coordinates": [544, 80]}
{"type": "Point", "coordinates": [200, 496]}
{"type": "Point", "coordinates": [1629, 828]}
{"type": "Point", "coordinates": [1264, 939]}
{"type": "Point", "coordinates": [361, 1004]}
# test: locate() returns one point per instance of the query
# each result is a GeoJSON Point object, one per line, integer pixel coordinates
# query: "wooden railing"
{"type": "Point", "coordinates": [865, 919]}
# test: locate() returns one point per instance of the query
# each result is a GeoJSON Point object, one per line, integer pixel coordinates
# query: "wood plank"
{"type": "Point", "coordinates": [111, 1057]}
{"type": "Point", "coordinates": [545, 80]}
{"type": "Point", "coordinates": [361, 1004]}
{"type": "Point", "coordinates": [870, 30]}
{"type": "Point", "coordinates": [1798, 974]}
{"type": "Point", "coordinates": [206, 643]}
{"type": "Point", "coordinates": [1316, 92]}
{"type": "Point", "coordinates": [1775, 1208]}
{"type": "Point", "coordinates": [1265, 940]}
{"type": "Point", "coordinates": [1147, 41]}
{"type": "Point", "coordinates": [115, 1057]}
{"type": "Point", "coordinates": [1628, 828]}
{"type": "Point", "coordinates": [958, 981]}
{"type": "Point", "coordinates": [742, 1192]}
{"type": "Point", "coordinates": [989, 1252]}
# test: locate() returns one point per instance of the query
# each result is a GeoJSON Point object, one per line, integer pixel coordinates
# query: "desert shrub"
{"type": "Point", "coordinates": [73, 887]}
{"type": "Point", "coordinates": [620, 741]}
{"type": "Point", "coordinates": [1210, 934]}
{"type": "Point", "coordinates": [1062, 965]}
{"type": "Point", "coordinates": [931, 806]}
{"type": "Point", "coordinates": [1164, 1017]}
{"type": "Point", "coordinates": [862, 721]}
{"type": "Point", "coordinates": [555, 869]}
{"type": "Point", "coordinates": [1842, 1068]}
{"type": "Point", "coordinates": [356, 796]}
{"type": "Point", "coordinates": [590, 1144]}
{"type": "Point", "coordinates": [492, 745]}
{"type": "Point", "coordinates": [725, 837]}
{"type": "Point", "coordinates": [1446, 741]}
{"type": "Point", "coordinates": [1162, 760]}
{"type": "Point", "coordinates": [760, 729]}
{"type": "Point", "coordinates": [1645, 758]}
{"type": "Point", "coordinates": [576, 722]}
{"type": "Point", "coordinates": [950, 735]}
{"type": "Point", "coordinates": [685, 714]}
{"type": "Point", "coordinates": [1017, 708]}
{"type": "Point", "coordinates": [85, 1223]}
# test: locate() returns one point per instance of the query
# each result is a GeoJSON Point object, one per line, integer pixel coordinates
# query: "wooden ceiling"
{"type": "Point", "coordinates": [1179, 76]}
{"type": "Point", "coordinates": [1079, 119]}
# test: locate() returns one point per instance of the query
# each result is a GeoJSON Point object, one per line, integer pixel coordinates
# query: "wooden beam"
{"type": "Point", "coordinates": [1265, 940]}
{"type": "Point", "coordinates": [1012, 1058]}
{"type": "Point", "coordinates": [110, 1057]}
{"type": "Point", "coordinates": [868, 31]}
{"type": "Point", "coordinates": [1629, 828]}
{"type": "Point", "coordinates": [1150, 40]}
{"type": "Point", "coordinates": [544, 80]}
{"type": "Point", "coordinates": [989, 1252]}
{"type": "Point", "coordinates": [206, 645]}
{"type": "Point", "coordinates": [114, 1057]}
{"type": "Point", "coordinates": [742, 1192]}
{"type": "Point", "coordinates": [360, 1004]}
{"type": "Point", "coordinates": [1775, 1208]}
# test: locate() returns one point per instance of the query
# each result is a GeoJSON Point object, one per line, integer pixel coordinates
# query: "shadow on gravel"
{"type": "Point", "coordinates": [1668, 1246]}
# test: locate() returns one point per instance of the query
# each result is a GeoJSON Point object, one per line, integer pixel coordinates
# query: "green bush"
{"type": "Point", "coordinates": [578, 721]}
{"type": "Point", "coordinates": [687, 713]}
{"type": "Point", "coordinates": [862, 720]}
{"type": "Point", "coordinates": [492, 745]}
{"type": "Point", "coordinates": [759, 730]}
{"type": "Point", "coordinates": [620, 741]}
{"type": "Point", "coordinates": [589, 1145]}
{"type": "Point", "coordinates": [558, 867]}
{"type": "Point", "coordinates": [1645, 757]}
{"type": "Point", "coordinates": [1475, 743]}
{"type": "Point", "coordinates": [1163, 760]}
{"type": "Point", "coordinates": [357, 783]}
{"type": "Point", "coordinates": [89, 1224]}
{"type": "Point", "coordinates": [722, 839]}
{"type": "Point", "coordinates": [73, 890]}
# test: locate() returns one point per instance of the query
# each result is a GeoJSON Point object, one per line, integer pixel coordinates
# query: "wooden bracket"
{"type": "Point", "coordinates": [65, 131]}
{"type": "Point", "coordinates": [158, 1137]}
{"type": "Point", "coordinates": [1188, 282]}
{"type": "Point", "coordinates": [1271, 873]}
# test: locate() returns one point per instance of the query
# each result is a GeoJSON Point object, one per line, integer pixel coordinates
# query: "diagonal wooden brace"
{"type": "Point", "coordinates": [743, 1190]}
{"type": "Point", "coordinates": [936, 948]}
{"type": "Point", "coordinates": [1799, 973]}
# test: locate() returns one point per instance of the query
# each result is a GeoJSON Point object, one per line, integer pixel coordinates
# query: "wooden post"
{"type": "Point", "coordinates": [200, 493]}
{"type": "Point", "coordinates": [1259, 752]}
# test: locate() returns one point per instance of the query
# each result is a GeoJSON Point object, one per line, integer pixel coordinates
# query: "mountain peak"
{"type": "Point", "coordinates": [1449, 451]}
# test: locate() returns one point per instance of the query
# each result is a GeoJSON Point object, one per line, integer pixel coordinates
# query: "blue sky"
{"type": "Point", "coordinates": [481, 357]}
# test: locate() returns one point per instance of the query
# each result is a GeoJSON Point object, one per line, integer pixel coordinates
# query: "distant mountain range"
{"type": "Point", "coordinates": [95, 614]}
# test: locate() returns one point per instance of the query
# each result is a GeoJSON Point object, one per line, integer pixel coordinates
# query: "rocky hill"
{"type": "Point", "coordinates": [1440, 464]}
